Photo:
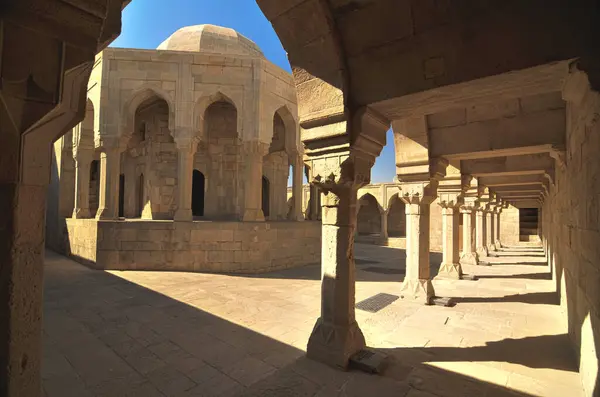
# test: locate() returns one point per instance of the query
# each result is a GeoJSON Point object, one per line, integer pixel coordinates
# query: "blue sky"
{"type": "Point", "coordinates": [146, 23]}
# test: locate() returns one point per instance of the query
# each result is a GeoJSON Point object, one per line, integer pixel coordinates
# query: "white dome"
{"type": "Point", "coordinates": [210, 39]}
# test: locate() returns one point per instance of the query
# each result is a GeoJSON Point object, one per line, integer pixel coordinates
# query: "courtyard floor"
{"type": "Point", "coordinates": [183, 334]}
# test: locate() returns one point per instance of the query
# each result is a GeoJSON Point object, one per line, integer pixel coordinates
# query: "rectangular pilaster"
{"type": "Point", "coordinates": [186, 148]}
{"type": "Point", "coordinates": [83, 161]}
{"type": "Point", "coordinates": [110, 159]}
{"type": "Point", "coordinates": [469, 255]}
{"type": "Point", "coordinates": [254, 153]}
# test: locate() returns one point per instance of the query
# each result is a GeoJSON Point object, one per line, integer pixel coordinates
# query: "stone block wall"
{"type": "Point", "coordinates": [229, 247]}
{"type": "Point", "coordinates": [571, 229]}
{"type": "Point", "coordinates": [509, 226]}
{"type": "Point", "coordinates": [81, 240]}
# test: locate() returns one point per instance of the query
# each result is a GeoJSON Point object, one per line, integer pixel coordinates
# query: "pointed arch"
{"type": "Point", "coordinates": [396, 224]}
{"type": "Point", "coordinates": [208, 99]}
{"type": "Point", "coordinates": [363, 195]}
{"type": "Point", "coordinates": [291, 128]}
{"type": "Point", "coordinates": [369, 215]}
{"type": "Point", "coordinates": [138, 97]}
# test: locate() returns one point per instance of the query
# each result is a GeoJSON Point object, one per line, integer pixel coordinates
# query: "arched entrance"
{"type": "Point", "coordinates": [265, 196]}
{"type": "Point", "coordinates": [197, 193]}
{"type": "Point", "coordinates": [140, 195]}
{"type": "Point", "coordinates": [369, 218]}
{"type": "Point", "coordinates": [396, 218]}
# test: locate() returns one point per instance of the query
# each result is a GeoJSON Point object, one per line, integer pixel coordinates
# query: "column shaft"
{"type": "Point", "coordinates": [450, 267]}
{"type": "Point", "coordinates": [417, 282]}
{"type": "Point", "coordinates": [481, 233]}
{"type": "Point", "coordinates": [82, 186]}
{"type": "Point", "coordinates": [185, 169]}
{"type": "Point", "coordinates": [498, 243]}
{"type": "Point", "coordinates": [297, 169]}
{"type": "Point", "coordinates": [253, 181]}
{"type": "Point", "coordinates": [110, 167]}
{"type": "Point", "coordinates": [469, 254]}
{"type": "Point", "coordinates": [384, 225]}
{"type": "Point", "coordinates": [489, 230]}
{"type": "Point", "coordinates": [336, 335]}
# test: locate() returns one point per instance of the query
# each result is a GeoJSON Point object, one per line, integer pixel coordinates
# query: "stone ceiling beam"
{"type": "Point", "coordinates": [533, 164]}
{"type": "Point", "coordinates": [498, 181]}
{"type": "Point", "coordinates": [533, 133]}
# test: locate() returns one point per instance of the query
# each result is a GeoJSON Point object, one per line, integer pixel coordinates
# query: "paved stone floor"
{"type": "Point", "coordinates": [181, 334]}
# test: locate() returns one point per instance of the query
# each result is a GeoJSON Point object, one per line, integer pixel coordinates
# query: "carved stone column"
{"type": "Point", "coordinates": [340, 164]}
{"type": "Point", "coordinates": [187, 145]}
{"type": "Point", "coordinates": [110, 169]}
{"type": "Point", "coordinates": [83, 161]}
{"type": "Point", "coordinates": [417, 198]}
{"type": "Point", "coordinates": [297, 169]}
{"type": "Point", "coordinates": [468, 209]}
{"type": "Point", "coordinates": [481, 233]}
{"type": "Point", "coordinates": [254, 152]}
{"type": "Point", "coordinates": [450, 267]}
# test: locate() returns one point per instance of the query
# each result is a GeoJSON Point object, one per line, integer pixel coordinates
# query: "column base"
{"type": "Point", "coordinates": [420, 290]}
{"type": "Point", "coordinates": [253, 216]}
{"type": "Point", "coordinates": [470, 258]}
{"type": "Point", "coordinates": [450, 271]}
{"type": "Point", "coordinates": [498, 244]}
{"type": "Point", "coordinates": [482, 251]}
{"type": "Point", "coordinates": [492, 247]}
{"type": "Point", "coordinates": [333, 344]}
{"type": "Point", "coordinates": [81, 213]}
{"type": "Point", "coordinates": [183, 216]}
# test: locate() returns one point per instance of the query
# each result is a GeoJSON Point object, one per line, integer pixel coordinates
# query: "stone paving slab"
{"type": "Point", "coordinates": [187, 335]}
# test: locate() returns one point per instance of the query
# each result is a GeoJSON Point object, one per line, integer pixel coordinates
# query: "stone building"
{"type": "Point", "coordinates": [502, 92]}
{"type": "Point", "coordinates": [204, 128]}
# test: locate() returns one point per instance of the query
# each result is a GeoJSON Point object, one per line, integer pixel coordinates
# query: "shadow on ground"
{"type": "Point", "coordinates": [105, 336]}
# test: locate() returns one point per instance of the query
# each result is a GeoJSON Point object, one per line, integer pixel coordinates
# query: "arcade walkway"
{"type": "Point", "coordinates": [180, 334]}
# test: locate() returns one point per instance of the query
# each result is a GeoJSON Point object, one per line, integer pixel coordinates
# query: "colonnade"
{"type": "Point", "coordinates": [111, 149]}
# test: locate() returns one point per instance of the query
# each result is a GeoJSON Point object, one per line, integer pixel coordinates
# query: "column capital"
{"type": "Point", "coordinates": [424, 192]}
{"type": "Point", "coordinates": [450, 199]}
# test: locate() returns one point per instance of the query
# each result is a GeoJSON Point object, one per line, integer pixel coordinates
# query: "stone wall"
{"type": "Point", "coordinates": [230, 247]}
{"type": "Point", "coordinates": [509, 226]}
{"type": "Point", "coordinates": [571, 228]}
{"type": "Point", "coordinates": [81, 240]}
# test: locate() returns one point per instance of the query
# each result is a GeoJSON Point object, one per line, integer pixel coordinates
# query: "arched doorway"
{"type": "Point", "coordinates": [369, 218]}
{"type": "Point", "coordinates": [265, 196]}
{"type": "Point", "coordinates": [197, 193]}
{"type": "Point", "coordinates": [94, 193]}
{"type": "Point", "coordinates": [396, 218]}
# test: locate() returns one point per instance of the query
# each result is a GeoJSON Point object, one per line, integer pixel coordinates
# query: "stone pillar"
{"type": "Point", "coordinates": [254, 152]}
{"type": "Point", "coordinates": [83, 161]}
{"type": "Point", "coordinates": [384, 225]}
{"type": "Point", "coordinates": [489, 229]}
{"type": "Point", "coordinates": [336, 335]}
{"type": "Point", "coordinates": [469, 255]}
{"type": "Point", "coordinates": [481, 233]}
{"type": "Point", "coordinates": [186, 148]}
{"type": "Point", "coordinates": [110, 169]}
{"type": "Point", "coordinates": [417, 198]}
{"type": "Point", "coordinates": [339, 171]}
{"type": "Point", "coordinates": [450, 267]}
{"type": "Point", "coordinates": [297, 170]}
{"type": "Point", "coordinates": [497, 223]}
